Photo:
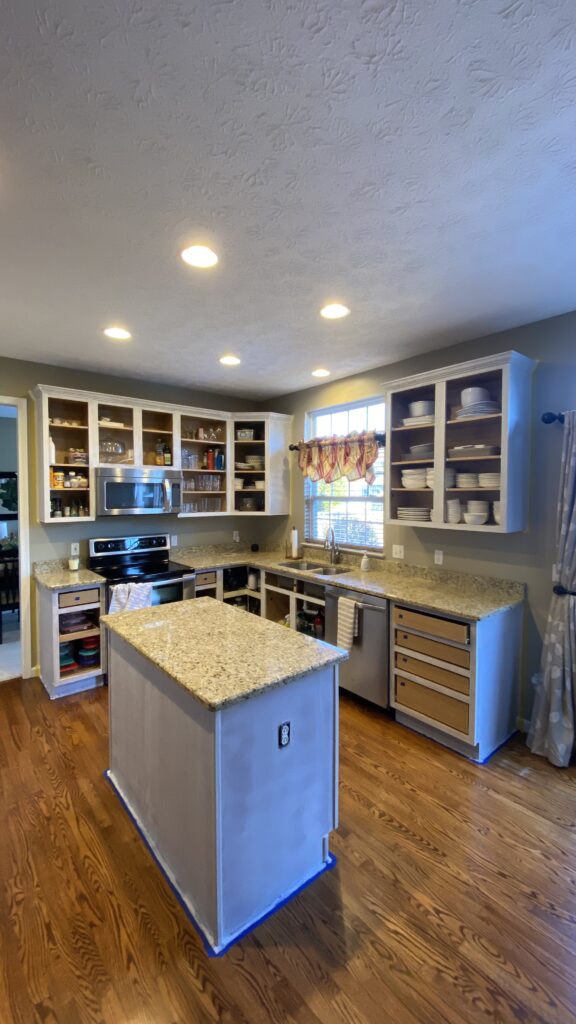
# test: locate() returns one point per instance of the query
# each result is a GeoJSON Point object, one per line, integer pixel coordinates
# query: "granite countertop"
{"type": "Point", "coordinates": [55, 576]}
{"type": "Point", "coordinates": [437, 590]}
{"type": "Point", "coordinates": [220, 654]}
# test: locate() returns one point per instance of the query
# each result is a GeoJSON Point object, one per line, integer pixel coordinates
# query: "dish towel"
{"type": "Point", "coordinates": [127, 597]}
{"type": "Point", "coordinates": [347, 622]}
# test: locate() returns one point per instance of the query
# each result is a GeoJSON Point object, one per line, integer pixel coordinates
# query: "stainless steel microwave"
{"type": "Point", "coordinates": [127, 491]}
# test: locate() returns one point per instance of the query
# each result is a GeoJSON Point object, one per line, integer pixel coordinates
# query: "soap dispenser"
{"type": "Point", "coordinates": [365, 563]}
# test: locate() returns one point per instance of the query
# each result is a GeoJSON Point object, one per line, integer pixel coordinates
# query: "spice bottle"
{"type": "Point", "coordinates": [210, 459]}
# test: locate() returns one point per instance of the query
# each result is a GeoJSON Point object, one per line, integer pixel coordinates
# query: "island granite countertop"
{"type": "Point", "coordinates": [220, 654]}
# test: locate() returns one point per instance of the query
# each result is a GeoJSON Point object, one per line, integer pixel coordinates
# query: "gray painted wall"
{"type": "Point", "coordinates": [522, 556]}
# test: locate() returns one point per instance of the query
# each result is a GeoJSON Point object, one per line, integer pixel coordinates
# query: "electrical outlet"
{"type": "Point", "coordinates": [284, 734]}
{"type": "Point", "coordinates": [236, 536]}
{"type": "Point", "coordinates": [438, 557]}
{"type": "Point", "coordinates": [173, 540]}
{"type": "Point", "coordinates": [75, 549]}
{"type": "Point", "coordinates": [397, 551]}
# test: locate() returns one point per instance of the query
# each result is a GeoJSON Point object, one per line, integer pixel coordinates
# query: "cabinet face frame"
{"type": "Point", "coordinates": [516, 371]}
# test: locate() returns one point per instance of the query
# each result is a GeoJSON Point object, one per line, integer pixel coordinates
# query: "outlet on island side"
{"type": "Point", "coordinates": [284, 734]}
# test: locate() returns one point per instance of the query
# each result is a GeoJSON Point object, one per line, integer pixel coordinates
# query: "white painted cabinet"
{"type": "Point", "coordinates": [470, 463]}
{"type": "Point", "coordinates": [72, 655]}
{"type": "Point", "coordinates": [79, 431]}
{"type": "Point", "coordinates": [457, 681]}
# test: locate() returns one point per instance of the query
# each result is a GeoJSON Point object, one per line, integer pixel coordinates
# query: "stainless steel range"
{"type": "Point", "coordinates": [142, 559]}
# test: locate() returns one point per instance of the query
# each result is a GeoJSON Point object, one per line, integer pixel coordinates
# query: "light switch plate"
{"type": "Point", "coordinates": [438, 557]}
{"type": "Point", "coordinates": [75, 549]}
{"type": "Point", "coordinates": [397, 551]}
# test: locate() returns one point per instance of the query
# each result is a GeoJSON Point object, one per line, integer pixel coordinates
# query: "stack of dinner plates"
{"type": "Point", "coordinates": [418, 421]}
{"type": "Point", "coordinates": [453, 510]}
{"type": "Point", "coordinates": [491, 480]}
{"type": "Point", "coordinates": [467, 480]}
{"type": "Point", "coordinates": [462, 451]}
{"type": "Point", "coordinates": [414, 515]}
{"type": "Point", "coordinates": [477, 409]}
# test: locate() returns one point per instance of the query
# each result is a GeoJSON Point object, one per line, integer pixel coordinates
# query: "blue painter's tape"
{"type": "Point", "coordinates": [330, 863]}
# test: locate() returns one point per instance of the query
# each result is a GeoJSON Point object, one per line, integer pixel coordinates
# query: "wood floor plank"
{"type": "Point", "coordinates": [453, 900]}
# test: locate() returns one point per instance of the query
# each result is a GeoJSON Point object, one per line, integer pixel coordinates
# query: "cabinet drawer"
{"type": "Point", "coordinates": [433, 648]}
{"type": "Point", "coordinates": [437, 706]}
{"type": "Point", "coordinates": [73, 597]}
{"type": "Point", "coordinates": [203, 578]}
{"type": "Point", "coordinates": [442, 676]}
{"type": "Point", "coordinates": [446, 628]}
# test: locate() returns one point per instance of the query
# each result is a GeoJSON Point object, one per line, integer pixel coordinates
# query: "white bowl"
{"type": "Point", "coordinates": [469, 396]}
{"type": "Point", "coordinates": [260, 485]}
{"type": "Point", "coordinates": [475, 518]}
{"type": "Point", "coordinates": [421, 408]}
{"type": "Point", "coordinates": [238, 482]}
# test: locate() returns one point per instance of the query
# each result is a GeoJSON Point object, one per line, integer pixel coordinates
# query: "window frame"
{"type": "Point", "coordinates": [310, 432]}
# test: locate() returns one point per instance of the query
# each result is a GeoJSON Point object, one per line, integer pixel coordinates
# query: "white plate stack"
{"type": "Point", "coordinates": [414, 515]}
{"type": "Point", "coordinates": [467, 481]}
{"type": "Point", "coordinates": [414, 479]}
{"type": "Point", "coordinates": [491, 480]}
{"type": "Point", "coordinates": [453, 510]}
{"type": "Point", "coordinates": [476, 402]}
{"type": "Point", "coordinates": [496, 512]}
{"type": "Point", "coordinates": [255, 461]}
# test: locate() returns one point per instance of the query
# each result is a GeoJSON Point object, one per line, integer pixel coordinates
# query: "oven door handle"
{"type": "Point", "coordinates": [167, 487]}
{"type": "Point", "coordinates": [175, 579]}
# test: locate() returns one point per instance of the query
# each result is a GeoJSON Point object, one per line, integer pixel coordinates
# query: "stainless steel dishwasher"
{"type": "Point", "coordinates": [366, 672]}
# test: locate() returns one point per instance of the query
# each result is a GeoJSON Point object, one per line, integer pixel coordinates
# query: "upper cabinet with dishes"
{"type": "Point", "coordinates": [80, 431]}
{"type": "Point", "coordinates": [457, 446]}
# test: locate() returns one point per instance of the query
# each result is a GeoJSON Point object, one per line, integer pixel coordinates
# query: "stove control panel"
{"type": "Point", "coordinates": [126, 545]}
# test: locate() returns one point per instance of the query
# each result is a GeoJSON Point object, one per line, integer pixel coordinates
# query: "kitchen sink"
{"type": "Point", "coordinates": [331, 570]}
{"type": "Point", "coordinates": [303, 565]}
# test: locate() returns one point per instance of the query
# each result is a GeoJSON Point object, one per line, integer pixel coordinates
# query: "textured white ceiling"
{"type": "Point", "coordinates": [412, 158]}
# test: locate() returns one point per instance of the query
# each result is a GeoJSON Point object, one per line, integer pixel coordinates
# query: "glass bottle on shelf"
{"type": "Point", "coordinates": [167, 455]}
{"type": "Point", "coordinates": [219, 459]}
{"type": "Point", "coordinates": [210, 459]}
{"type": "Point", "coordinates": [159, 452]}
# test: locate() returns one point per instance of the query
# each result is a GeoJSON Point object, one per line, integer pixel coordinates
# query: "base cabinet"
{"type": "Point", "coordinates": [457, 681]}
{"type": "Point", "coordinates": [72, 655]}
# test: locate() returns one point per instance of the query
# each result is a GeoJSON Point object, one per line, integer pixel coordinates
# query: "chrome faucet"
{"type": "Point", "coordinates": [330, 545]}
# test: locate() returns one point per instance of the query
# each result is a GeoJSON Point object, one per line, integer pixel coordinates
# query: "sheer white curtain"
{"type": "Point", "coordinates": [551, 731]}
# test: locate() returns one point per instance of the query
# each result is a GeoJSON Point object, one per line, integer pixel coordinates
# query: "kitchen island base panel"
{"type": "Point", "coordinates": [237, 823]}
{"type": "Point", "coordinates": [330, 862]}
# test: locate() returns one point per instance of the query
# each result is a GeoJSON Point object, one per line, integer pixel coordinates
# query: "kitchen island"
{"type": "Point", "coordinates": [224, 750]}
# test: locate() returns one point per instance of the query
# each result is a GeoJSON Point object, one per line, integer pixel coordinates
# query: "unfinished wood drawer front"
{"type": "Point", "coordinates": [437, 706]}
{"type": "Point", "coordinates": [458, 631]}
{"type": "Point", "coordinates": [204, 578]}
{"type": "Point", "coordinates": [433, 648]}
{"type": "Point", "coordinates": [435, 673]}
{"type": "Point", "coordinates": [74, 597]}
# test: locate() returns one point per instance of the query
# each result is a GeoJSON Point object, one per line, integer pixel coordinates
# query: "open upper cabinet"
{"type": "Point", "coordinates": [457, 446]}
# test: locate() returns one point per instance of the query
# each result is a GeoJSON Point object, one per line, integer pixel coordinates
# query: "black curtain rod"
{"type": "Point", "coordinates": [552, 417]}
{"type": "Point", "coordinates": [380, 438]}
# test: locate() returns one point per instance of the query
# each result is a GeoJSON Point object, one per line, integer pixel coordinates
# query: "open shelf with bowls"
{"type": "Point", "coordinates": [457, 450]}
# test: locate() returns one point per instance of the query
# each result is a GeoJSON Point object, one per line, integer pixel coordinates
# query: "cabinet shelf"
{"type": "Point", "coordinates": [479, 490]}
{"type": "Point", "coordinates": [203, 469]}
{"type": "Point", "coordinates": [473, 458]}
{"type": "Point", "coordinates": [81, 634]}
{"type": "Point", "coordinates": [186, 491]}
{"type": "Point", "coordinates": [415, 426]}
{"type": "Point", "coordinates": [152, 430]}
{"type": "Point", "coordinates": [414, 462]}
{"type": "Point", "coordinates": [70, 490]}
{"type": "Point", "coordinates": [475, 419]}
{"type": "Point", "coordinates": [118, 426]}
{"type": "Point", "coordinates": [67, 426]}
{"type": "Point", "coordinates": [69, 465]}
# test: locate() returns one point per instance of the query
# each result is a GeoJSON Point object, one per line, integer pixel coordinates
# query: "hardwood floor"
{"type": "Point", "coordinates": [454, 899]}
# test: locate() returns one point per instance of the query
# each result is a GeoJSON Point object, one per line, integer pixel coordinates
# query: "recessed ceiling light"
{"type": "Point", "coordinates": [334, 311]}
{"type": "Point", "coordinates": [199, 256]}
{"type": "Point", "coordinates": [320, 372]}
{"type": "Point", "coordinates": [118, 333]}
{"type": "Point", "coordinates": [229, 360]}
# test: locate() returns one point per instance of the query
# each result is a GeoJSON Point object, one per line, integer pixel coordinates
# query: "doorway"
{"type": "Point", "coordinates": [14, 541]}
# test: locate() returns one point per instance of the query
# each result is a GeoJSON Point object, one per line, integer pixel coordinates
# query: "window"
{"type": "Point", "coordinates": [354, 508]}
